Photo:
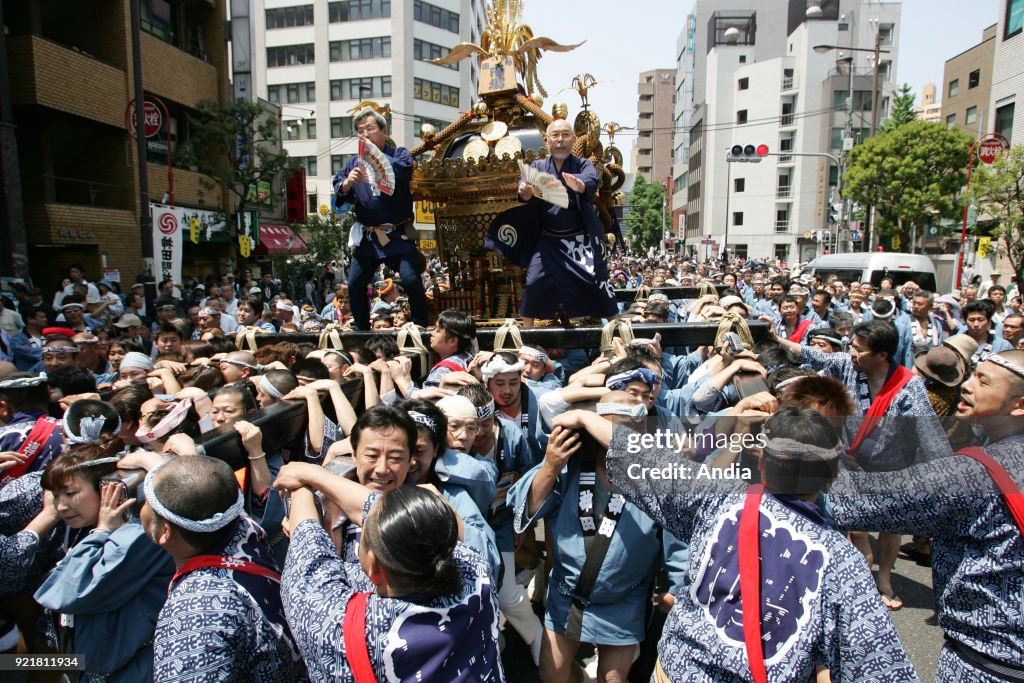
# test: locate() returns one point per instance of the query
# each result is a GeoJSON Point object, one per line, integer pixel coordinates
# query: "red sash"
{"type": "Point", "coordinates": [750, 580]}
{"type": "Point", "coordinates": [897, 380]}
{"type": "Point", "coordinates": [799, 331]}
{"type": "Point", "coordinates": [451, 365]}
{"type": "Point", "coordinates": [33, 445]}
{"type": "Point", "coordinates": [222, 562]}
{"type": "Point", "coordinates": [354, 631]}
{"type": "Point", "coordinates": [1011, 494]}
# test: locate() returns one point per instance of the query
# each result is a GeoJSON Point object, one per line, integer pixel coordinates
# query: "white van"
{"type": "Point", "coordinates": [873, 267]}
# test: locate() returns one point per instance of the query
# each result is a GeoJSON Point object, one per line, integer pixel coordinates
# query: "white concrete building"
{"type": "Point", "coordinates": [763, 83]}
{"type": "Point", "coordinates": [319, 59]}
{"type": "Point", "coordinates": [1007, 76]}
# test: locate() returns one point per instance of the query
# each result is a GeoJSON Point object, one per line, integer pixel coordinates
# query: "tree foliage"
{"type": "Point", "coordinates": [646, 214]}
{"type": "Point", "coordinates": [998, 190]}
{"type": "Point", "coordinates": [902, 111]}
{"type": "Point", "coordinates": [912, 175]}
{"type": "Point", "coordinates": [236, 145]}
{"type": "Point", "coordinates": [325, 235]}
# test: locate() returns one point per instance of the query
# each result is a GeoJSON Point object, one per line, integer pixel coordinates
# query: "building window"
{"type": "Point", "coordinates": [360, 88]}
{"type": "Point", "coordinates": [782, 252]}
{"type": "Point", "coordinates": [837, 138]}
{"type": "Point", "coordinates": [429, 91]}
{"type": "Point", "coordinates": [974, 79]}
{"type": "Point", "coordinates": [950, 120]}
{"type": "Point", "coordinates": [739, 184]}
{"type": "Point", "coordinates": [954, 87]}
{"type": "Point", "coordinates": [301, 129]}
{"type": "Point", "coordinates": [740, 250]}
{"type": "Point", "coordinates": [290, 55]}
{"type": "Point", "coordinates": [424, 51]}
{"type": "Point", "coordinates": [341, 127]}
{"type": "Point", "coordinates": [360, 48]}
{"type": "Point", "coordinates": [1004, 121]}
{"type": "Point", "coordinates": [741, 116]}
{"type": "Point", "coordinates": [782, 220]}
{"type": "Point", "coordinates": [743, 83]}
{"type": "Point", "coordinates": [737, 218]}
{"type": "Point", "coordinates": [338, 162]}
{"type": "Point", "coordinates": [1014, 18]}
{"type": "Point", "coordinates": [971, 115]}
{"type": "Point", "coordinates": [885, 34]}
{"type": "Point", "coordinates": [418, 122]}
{"type": "Point", "coordinates": [861, 99]}
{"type": "Point", "coordinates": [885, 70]}
{"type": "Point", "coordinates": [311, 204]}
{"type": "Point", "coordinates": [308, 163]}
{"type": "Point", "coordinates": [286, 17]}
{"type": "Point", "coordinates": [290, 93]}
{"type": "Point", "coordinates": [743, 59]}
{"type": "Point", "coordinates": [435, 16]}
{"type": "Point", "coordinates": [357, 10]}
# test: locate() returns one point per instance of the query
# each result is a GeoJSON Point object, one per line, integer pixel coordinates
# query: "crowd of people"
{"type": "Point", "coordinates": [162, 517]}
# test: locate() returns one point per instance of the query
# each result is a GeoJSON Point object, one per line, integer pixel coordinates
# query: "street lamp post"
{"type": "Point", "coordinates": [876, 51]}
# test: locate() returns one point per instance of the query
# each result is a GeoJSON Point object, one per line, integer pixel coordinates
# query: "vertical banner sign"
{"type": "Point", "coordinates": [167, 238]}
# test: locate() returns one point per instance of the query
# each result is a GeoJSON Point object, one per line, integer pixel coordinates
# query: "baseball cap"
{"type": "Point", "coordinates": [129, 320]}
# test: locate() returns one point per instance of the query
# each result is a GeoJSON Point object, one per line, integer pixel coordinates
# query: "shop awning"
{"type": "Point", "coordinates": [279, 239]}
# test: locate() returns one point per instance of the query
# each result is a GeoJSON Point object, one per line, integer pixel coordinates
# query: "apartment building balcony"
{"type": "Point", "coordinates": [88, 87]}
{"type": "Point", "coordinates": [784, 193]}
{"type": "Point", "coordinates": [782, 226]}
{"type": "Point", "coordinates": [789, 83]}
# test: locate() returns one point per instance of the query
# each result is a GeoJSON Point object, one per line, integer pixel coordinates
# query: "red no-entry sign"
{"type": "Point", "coordinates": [992, 147]}
{"type": "Point", "coordinates": [153, 119]}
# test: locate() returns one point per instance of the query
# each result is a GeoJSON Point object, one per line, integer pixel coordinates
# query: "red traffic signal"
{"type": "Point", "coordinates": [747, 153]}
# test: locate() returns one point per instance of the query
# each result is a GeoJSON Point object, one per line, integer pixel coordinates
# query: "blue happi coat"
{"type": "Point", "coordinates": [819, 604]}
{"type": "Point", "coordinates": [618, 602]}
{"type": "Point", "coordinates": [113, 585]}
{"type": "Point", "coordinates": [977, 548]}
{"type": "Point", "coordinates": [412, 638]}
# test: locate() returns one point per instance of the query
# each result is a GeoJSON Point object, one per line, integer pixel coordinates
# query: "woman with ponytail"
{"type": "Point", "coordinates": [433, 613]}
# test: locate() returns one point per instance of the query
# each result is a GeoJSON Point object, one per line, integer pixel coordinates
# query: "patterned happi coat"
{"type": "Point", "coordinates": [819, 603]}
{"type": "Point", "coordinates": [977, 549]}
{"type": "Point", "coordinates": [224, 625]}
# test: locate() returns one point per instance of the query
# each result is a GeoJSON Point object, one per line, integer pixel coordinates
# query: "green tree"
{"type": "Point", "coordinates": [236, 146]}
{"type": "Point", "coordinates": [326, 237]}
{"type": "Point", "coordinates": [902, 109]}
{"type": "Point", "coordinates": [912, 175]}
{"type": "Point", "coordinates": [646, 214]}
{"type": "Point", "coordinates": [999, 191]}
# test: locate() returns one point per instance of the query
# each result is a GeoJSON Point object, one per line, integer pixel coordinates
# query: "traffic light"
{"type": "Point", "coordinates": [835, 212]}
{"type": "Point", "coordinates": [747, 153]}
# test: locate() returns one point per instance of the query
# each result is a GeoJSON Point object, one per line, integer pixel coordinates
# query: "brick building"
{"type": "Point", "coordinates": [70, 68]}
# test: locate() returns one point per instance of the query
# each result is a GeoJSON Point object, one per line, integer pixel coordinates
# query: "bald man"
{"type": "Point", "coordinates": [566, 270]}
{"type": "Point", "coordinates": [977, 546]}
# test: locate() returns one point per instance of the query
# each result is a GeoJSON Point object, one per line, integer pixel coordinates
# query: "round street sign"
{"type": "Point", "coordinates": [992, 147]}
{"type": "Point", "coordinates": [151, 114]}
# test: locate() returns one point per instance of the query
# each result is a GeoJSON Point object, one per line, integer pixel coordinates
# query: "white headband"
{"type": "Point", "coordinates": [269, 389]}
{"type": "Point", "coordinates": [90, 429]}
{"type": "Point", "coordinates": [637, 412]}
{"type": "Point", "coordinates": [457, 406]}
{"type": "Point", "coordinates": [204, 526]}
{"type": "Point", "coordinates": [486, 411]}
{"type": "Point", "coordinates": [790, 449]}
{"type": "Point", "coordinates": [425, 420]}
{"type": "Point", "coordinates": [23, 382]}
{"type": "Point", "coordinates": [536, 354]}
{"type": "Point", "coordinates": [1004, 363]}
{"type": "Point", "coordinates": [497, 365]}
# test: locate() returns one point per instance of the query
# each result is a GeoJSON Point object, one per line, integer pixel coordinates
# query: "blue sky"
{"type": "Point", "coordinates": [625, 38]}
